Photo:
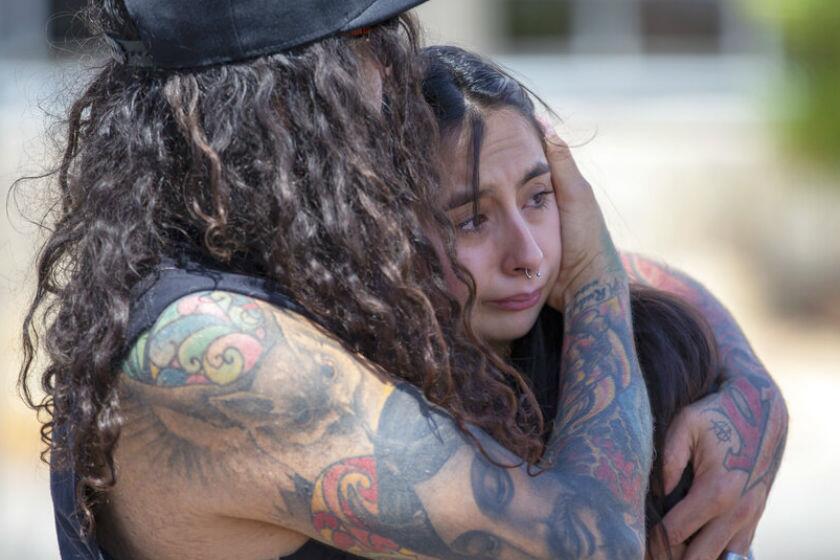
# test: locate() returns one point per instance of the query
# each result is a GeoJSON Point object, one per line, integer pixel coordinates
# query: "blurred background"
{"type": "Point", "coordinates": [709, 128]}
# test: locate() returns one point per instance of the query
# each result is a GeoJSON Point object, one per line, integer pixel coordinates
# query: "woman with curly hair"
{"type": "Point", "coordinates": [250, 349]}
{"type": "Point", "coordinates": [499, 196]}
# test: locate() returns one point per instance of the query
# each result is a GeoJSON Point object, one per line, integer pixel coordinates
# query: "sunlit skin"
{"type": "Point", "coordinates": [515, 228]}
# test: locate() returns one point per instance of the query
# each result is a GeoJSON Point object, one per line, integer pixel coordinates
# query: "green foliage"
{"type": "Point", "coordinates": [537, 19]}
{"type": "Point", "coordinates": [811, 36]}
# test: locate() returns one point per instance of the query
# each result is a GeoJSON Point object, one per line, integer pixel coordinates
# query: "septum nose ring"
{"type": "Point", "coordinates": [528, 274]}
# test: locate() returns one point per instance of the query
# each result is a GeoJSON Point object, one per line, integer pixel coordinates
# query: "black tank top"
{"type": "Point", "coordinates": [169, 282]}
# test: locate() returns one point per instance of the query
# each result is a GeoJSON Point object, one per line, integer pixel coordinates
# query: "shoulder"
{"type": "Point", "coordinates": [232, 378]}
{"type": "Point", "coordinates": [204, 338]}
{"type": "Point", "coordinates": [235, 360]}
{"type": "Point", "coordinates": [233, 397]}
{"type": "Point", "coordinates": [645, 270]}
{"type": "Point", "coordinates": [218, 338]}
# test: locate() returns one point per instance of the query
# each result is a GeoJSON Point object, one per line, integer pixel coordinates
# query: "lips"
{"type": "Point", "coordinates": [519, 301]}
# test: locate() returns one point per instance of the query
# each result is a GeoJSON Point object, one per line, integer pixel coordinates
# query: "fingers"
{"type": "Point", "coordinates": [742, 541]}
{"type": "Point", "coordinates": [658, 552]}
{"type": "Point", "coordinates": [658, 548]}
{"type": "Point", "coordinates": [706, 539]}
{"type": "Point", "coordinates": [711, 541]}
{"type": "Point", "coordinates": [690, 514]}
{"type": "Point", "coordinates": [679, 443]}
{"type": "Point", "coordinates": [720, 535]}
{"type": "Point", "coordinates": [568, 181]}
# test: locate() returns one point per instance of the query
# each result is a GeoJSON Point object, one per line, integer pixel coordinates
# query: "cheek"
{"type": "Point", "coordinates": [550, 239]}
{"type": "Point", "coordinates": [478, 261]}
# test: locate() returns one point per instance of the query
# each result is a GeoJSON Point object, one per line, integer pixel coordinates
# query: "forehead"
{"type": "Point", "coordinates": [510, 147]}
{"type": "Point", "coordinates": [508, 134]}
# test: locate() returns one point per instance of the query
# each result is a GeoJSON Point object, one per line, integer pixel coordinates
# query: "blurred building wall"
{"type": "Point", "coordinates": [570, 26]}
{"type": "Point", "coordinates": [598, 26]}
{"type": "Point", "coordinates": [22, 28]}
{"type": "Point", "coordinates": [473, 24]}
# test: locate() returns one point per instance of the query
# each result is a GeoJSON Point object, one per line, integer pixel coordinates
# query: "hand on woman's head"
{"type": "Point", "coordinates": [588, 250]}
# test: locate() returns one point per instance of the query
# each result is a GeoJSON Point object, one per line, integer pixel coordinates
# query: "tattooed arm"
{"type": "Point", "coordinates": [736, 436]}
{"type": "Point", "coordinates": [261, 416]}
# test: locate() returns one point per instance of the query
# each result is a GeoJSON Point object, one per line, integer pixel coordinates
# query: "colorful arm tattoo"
{"type": "Point", "coordinates": [204, 338]}
{"type": "Point", "coordinates": [603, 430]}
{"type": "Point", "coordinates": [752, 412]}
{"type": "Point", "coordinates": [222, 380]}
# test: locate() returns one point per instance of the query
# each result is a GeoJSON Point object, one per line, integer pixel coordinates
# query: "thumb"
{"type": "Point", "coordinates": [679, 442]}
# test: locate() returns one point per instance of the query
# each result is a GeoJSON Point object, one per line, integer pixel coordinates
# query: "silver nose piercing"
{"type": "Point", "coordinates": [528, 274]}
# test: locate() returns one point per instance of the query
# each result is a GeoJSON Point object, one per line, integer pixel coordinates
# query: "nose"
{"type": "Point", "coordinates": [522, 250]}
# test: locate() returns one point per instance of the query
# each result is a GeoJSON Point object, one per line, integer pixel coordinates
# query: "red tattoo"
{"type": "Point", "coordinates": [748, 405]}
{"type": "Point", "coordinates": [344, 501]}
{"type": "Point", "coordinates": [750, 402]}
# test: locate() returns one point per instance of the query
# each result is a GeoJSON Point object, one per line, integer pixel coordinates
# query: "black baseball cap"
{"type": "Point", "coordinates": [193, 33]}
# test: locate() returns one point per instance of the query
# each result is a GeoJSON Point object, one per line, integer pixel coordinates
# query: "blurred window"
{"type": "Point", "coordinates": [653, 25]}
{"type": "Point", "coordinates": [681, 25]}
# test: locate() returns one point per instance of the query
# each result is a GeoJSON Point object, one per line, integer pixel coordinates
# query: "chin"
{"type": "Point", "coordinates": [509, 327]}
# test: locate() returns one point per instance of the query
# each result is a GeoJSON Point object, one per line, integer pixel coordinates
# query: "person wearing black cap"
{"type": "Point", "coordinates": [250, 352]}
{"type": "Point", "coordinates": [250, 349]}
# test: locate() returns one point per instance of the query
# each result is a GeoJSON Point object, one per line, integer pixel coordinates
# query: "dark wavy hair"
{"type": "Point", "coordinates": [275, 166]}
{"type": "Point", "coordinates": [676, 347]}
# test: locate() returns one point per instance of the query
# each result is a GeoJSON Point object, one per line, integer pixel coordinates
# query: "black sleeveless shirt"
{"type": "Point", "coordinates": [170, 281]}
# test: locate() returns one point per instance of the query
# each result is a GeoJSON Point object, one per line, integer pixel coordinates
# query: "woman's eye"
{"type": "Point", "coordinates": [540, 199]}
{"type": "Point", "coordinates": [473, 224]}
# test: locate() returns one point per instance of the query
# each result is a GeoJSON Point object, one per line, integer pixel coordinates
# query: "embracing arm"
{"type": "Point", "coordinates": [746, 421]}
{"type": "Point", "coordinates": [228, 387]}
{"type": "Point", "coordinates": [755, 403]}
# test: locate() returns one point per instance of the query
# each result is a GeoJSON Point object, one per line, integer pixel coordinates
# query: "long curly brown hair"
{"type": "Point", "coordinates": [277, 167]}
{"type": "Point", "coordinates": [676, 347]}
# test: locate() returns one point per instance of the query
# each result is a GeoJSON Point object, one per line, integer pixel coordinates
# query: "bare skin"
{"type": "Point", "coordinates": [248, 430]}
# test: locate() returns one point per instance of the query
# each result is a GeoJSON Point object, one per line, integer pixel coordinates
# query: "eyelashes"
{"type": "Point", "coordinates": [543, 198]}
{"type": "Point", "coordinates": [474, 223]}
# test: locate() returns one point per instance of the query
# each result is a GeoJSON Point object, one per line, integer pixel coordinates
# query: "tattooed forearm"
{"type": "Point", "coordinates": [745, 409]}
{"type": "Point", "coordinates": [603, 432]}
{"type": "Point", "coordinates": [751, 413]}
{"type": "Point", "coordinates": [736, 353]}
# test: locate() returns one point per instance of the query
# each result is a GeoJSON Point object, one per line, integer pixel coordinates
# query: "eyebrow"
{"type": "Point", "coordinates": [538, 169]}
{"type": "Point", "coordinates": [466, 196]}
